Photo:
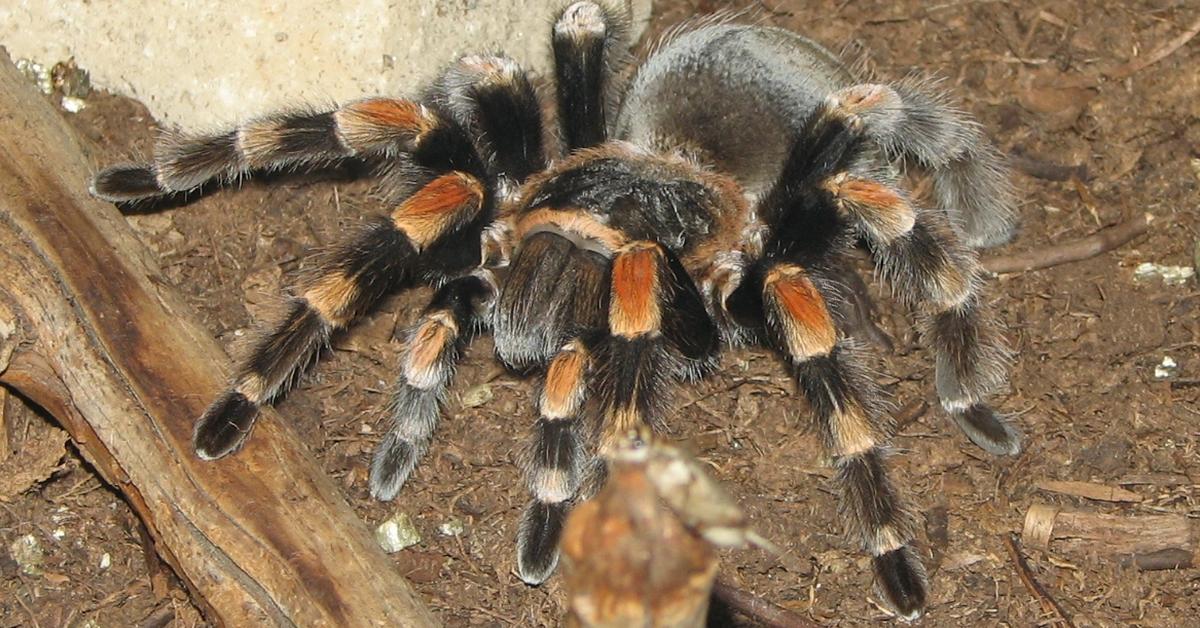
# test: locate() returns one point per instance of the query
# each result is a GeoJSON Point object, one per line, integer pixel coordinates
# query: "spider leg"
{"type": "Point", "coordinates": [387, 254]}
{"type": "Point", "coordinates": [589, 40]}
{"type": "Point", "coordinates": [376, 126]}
{"type": "Point", "coordinates": [916, 250]}
{"type": "Point", "coordinates": [554, 462]}
{"type": "Point", "coordinates": [930, 265]}
{"type": "Point", "coordinates": [916, 120]}
{"type": "Point", "coordinates": [433, 346]}
{"type": "Point", "coordinates": [848, 408]}
{"type": "Point", "coordinates": [491, 98]}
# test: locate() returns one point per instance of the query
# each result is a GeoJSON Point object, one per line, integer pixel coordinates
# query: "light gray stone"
{"type": "Point", "coordinates": [204, 65]}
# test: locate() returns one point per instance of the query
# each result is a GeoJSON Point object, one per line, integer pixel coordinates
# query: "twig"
{"type": "Point", "coordinates": [1046, 169]}
{"type": "Point", "coordinates": [1073, 251]}
{"type": "Point", "coordinates": [911, 411]}
{"type": "Point", "coordinates": [160, 618]}
{"type": "Point", "coordinates": [1035, 589]}
{"type": "Point", "coordinates": [762, 612]}
{"type": "Point", "coordinates": [1140, 63]}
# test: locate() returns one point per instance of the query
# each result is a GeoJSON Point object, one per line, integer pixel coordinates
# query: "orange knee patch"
{"type": "Point", "coordinates": [368, 123]}
{"type": "Point", "coordinates": [634, 309]}
{"type": "Point", "coordinates": [444, 204]}
{"type": "Point", "coordinates": [422, 365]}
{"type": "Point", "coordinates": [807, 325]}
{"type": "Point", "coordinates": [564, 387]}
{"type": "Point", "coordinates": [884, 210]}
{"type": "Point", "coordinates": [331, 296]}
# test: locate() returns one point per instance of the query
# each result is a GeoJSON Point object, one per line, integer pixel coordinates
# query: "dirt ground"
{"type": "Point", "coordinates": [1048, 80]}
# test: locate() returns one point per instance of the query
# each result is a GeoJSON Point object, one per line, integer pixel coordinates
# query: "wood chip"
{"type": "Point", "coordinates": [1155, 479]}
{"type": "Point", "coordinates": [1088, 490]}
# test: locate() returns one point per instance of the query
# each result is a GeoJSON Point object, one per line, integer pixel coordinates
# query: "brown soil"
{"type": "Point", "coordinates": [1088, 336]}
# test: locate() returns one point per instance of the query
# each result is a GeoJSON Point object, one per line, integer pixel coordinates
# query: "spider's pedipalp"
{"type": "Point", "coordinates": [433, 346]}
{"type": "Point", "coordinates": [849, 412]}
{"type": "Point", "coordinates": [929, 266]}
{"type": "Point", "coordinates": [349, 280]}
{"type": "Point", "coordinates": [589, 41]}
{"type": "Point", "coordinates": [557, 285]}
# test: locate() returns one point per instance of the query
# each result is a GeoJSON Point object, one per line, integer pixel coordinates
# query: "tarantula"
{"type": "Point", "coordinates": [708, 199]}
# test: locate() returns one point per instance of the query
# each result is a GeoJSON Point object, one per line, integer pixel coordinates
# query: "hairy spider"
{"type": "Point", "coordinates": [709, 199]}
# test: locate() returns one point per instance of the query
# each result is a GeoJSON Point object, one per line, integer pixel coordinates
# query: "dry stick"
{"type": "Point", "coordinates": [1073, 251]}
{"type": "Point", "coordinates": [762, 612]}
{"type": "Point", "coordinates": [160, 618]}
{"type": "Point", "coordinates": [911, 411]}
{"type": "Point", "coordinates": [1045, 169]}
{"type": "Point", "coordinates": [1035, 589]}
{"type": "Point", "coordinates": [1160, 53]}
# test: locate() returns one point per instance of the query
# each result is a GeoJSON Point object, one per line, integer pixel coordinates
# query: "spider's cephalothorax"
{"type": "Point", "coordinates": [713, 205]}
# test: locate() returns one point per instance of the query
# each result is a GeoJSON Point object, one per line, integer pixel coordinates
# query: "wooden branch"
{"type": "Point", "coordinates": [1048, 604]}
{"type": "Point", "coordinates": [1073, 251]}
{"type": "Point", "coordinates": [760, 611]}
{"type": "Point", "coordinates": [1046, 170]}
{"type": "Point", "coordinates": [1146, 541]}
{"type": "Point", "coordinates": [628, 560]}
{"type": "Point", "coordinates": [90, 330]}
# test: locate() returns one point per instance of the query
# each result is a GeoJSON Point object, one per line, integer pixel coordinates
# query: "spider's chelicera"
{"type": "Point", "coordinates": [710, 199]}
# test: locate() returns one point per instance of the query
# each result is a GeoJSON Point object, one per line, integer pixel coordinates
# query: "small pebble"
{"type": "Point", "coordinates": [397, 533]}
{"type": "Point", "coordinates": [1171, 275]}
{"type": "Point", "coordinates": [1166, 369]}
{"type": "Point", "coordinates": [72, 104]}
{"type": "Point", "coordinates": [28, 554]}
{"type": "Point", "coordinates": [105, 561]}
{"type": "Point", "coordinates": [37, 73]}
{"type": "Point", "coordinates": [477, 396]}
{"type": "Point", "coordinates": [453, 527]}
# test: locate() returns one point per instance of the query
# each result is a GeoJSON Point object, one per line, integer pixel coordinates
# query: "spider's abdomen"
{"type": "Point", "coordinates": [734, 96]}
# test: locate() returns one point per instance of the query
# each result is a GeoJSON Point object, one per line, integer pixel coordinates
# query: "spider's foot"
{"type": "Point", "coordinates": [125, 183]}
{"type": "Point", "coordinates": [900, 579]}
{"type": "Point", "coordinates": [393, 462]}
{"type": "Point", "coordinates": [988, 430]}
{"type": "Point", "coordinates": [225, 426]}
{"type": "Point", "coordinates": [537, 540]}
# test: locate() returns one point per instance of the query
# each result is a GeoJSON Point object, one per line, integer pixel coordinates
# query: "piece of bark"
{"type": "Point", "coordinates": [100, 341]}
{"type": "Point", "coordinates": [629, 560]}
{"type": "Point", "coordinates": [1089, 490]}
{"type": "Point", "coordinates": [1146, 541]}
